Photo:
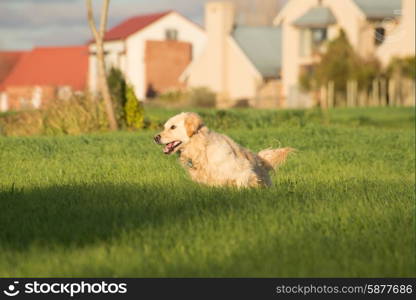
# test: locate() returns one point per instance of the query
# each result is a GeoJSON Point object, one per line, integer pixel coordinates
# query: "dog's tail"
{"type": "Point", "coordinates": [275, 157]}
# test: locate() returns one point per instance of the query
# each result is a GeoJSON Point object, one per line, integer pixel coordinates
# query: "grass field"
{"type": "Point", "coordinates": [114, 205]}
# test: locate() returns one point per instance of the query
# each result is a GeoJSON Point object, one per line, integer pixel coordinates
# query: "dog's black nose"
{"type": "Point", "coordinates": [157, 139]}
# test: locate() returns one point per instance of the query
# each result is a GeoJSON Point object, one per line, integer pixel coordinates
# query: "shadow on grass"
{"type": "Point", "coordinates": [322, 229]}
{"type": "Point", "coordinates": [81, 215]}
{"type": "Point", "coordinates": [76, 216]}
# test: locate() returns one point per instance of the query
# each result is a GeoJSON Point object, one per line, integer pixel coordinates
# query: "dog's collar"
{"type": "Point", "coordinates": [189, 163]}
{"type": "Point", "coordinates": [198, 130]}
{"type": "Point", "coordinates": [200, 127]}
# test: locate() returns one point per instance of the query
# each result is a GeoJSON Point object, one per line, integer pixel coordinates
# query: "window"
{"type": "Point", "coordinates": [319, 35]}
{"type": "Point", "coordinates": [379, 35]}
{"type": "Point", "coordinates": [171, 34]}
{"type": "Point", "coordinates": [311, 40]}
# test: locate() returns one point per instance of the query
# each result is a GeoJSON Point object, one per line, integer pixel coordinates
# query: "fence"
{"type": "Point", "coordinates": [269, 95]}
{"type": "Point", "coordinates": [383, 92]}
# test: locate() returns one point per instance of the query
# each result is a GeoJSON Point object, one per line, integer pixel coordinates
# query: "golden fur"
{"type": "Point", "coordinates": [215, 159]}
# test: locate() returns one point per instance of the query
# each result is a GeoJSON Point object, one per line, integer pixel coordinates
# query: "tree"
{"type": "Point", "coordinates": [133, 110]}
{"type": "Point", "coordinates": [118, 89]}
{"type": "Point", "coordinates": [339, 64]}
{"type": "Point", "coordinates": [98, 35]}
{"type": "Point", "coordinates": [402, 67]}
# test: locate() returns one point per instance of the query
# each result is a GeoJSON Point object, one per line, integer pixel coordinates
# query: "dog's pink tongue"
{"type": "Point", "coordinates": [167, 148]}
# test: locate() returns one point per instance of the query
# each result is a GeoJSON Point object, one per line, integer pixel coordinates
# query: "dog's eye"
{"type": "Point", "coordinates": [172, 127]}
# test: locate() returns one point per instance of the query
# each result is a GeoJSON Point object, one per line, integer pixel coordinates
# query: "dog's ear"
{"type": "Point", "coordinates": [193, 123]}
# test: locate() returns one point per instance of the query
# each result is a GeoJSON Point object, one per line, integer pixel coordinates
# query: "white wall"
{"type": "Point", "coordinates": [209, 70]}
{"type": "Point", "coordinates": [129, 55]}
{"type": "Point", "coordinates": [223, 67]}
{"type": "Point", "coordinates": [115, 50]}
{"type": "Point", "coordinates": [243, 80]}
{"type": "Point", "coordinates": [135, 46]}
{"type": "Point", "coordinates": [291, 59]}
{"type": "Point", "coordinates": [350, 18]}
{"type": "Point", "coordinates": [4, 103]}
{"type": "Point", "coordinates": [92, 73]}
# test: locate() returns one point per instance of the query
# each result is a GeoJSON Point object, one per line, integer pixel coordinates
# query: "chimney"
{"type": "Point", "coordinates": [219, 18]}
{"type": "Point", "coordinates": [219, 24]}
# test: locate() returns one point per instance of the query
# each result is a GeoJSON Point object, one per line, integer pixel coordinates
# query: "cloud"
{"type": "Point", "coordinates": [30, 13]}
{"type": "Point", "coordinates": [26, 23]}
{"type": "Point", "coordinates": [17, 39]}
{"type": "Point", "coordinates": [37, 1]}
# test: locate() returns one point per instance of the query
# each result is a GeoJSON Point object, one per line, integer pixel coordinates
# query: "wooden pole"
{"type": "Point", "coordinates": [331, 94]}
{"type": "Point", "coordinates": [375, 93]}
{"type": "Point", "coordinates": [383, 92]}
{"type": "Point", "coordinates": [99, 43]}
{"type": "Point", "coordinates": [323, 98]}
{"type": "Point", "coordinates": [355, 93]}
{"type": "Point", "coordinates": [392, 92]}
{"type": "Point", "coordinates": [349, 94]}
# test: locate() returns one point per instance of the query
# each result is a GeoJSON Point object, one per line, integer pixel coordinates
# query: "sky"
{"type": "Point", "coordinates": [28, 23]}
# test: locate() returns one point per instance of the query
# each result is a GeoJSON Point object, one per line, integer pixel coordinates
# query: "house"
{"type": "Point", "coordinates": [262, 65]}
{"type": "Point", "coordinates": [372, 27]}
{"type": "Point", "coordinates": [44, 74]}
{"type": "Point", "coordinates": [151, 50]}
{"type": "Point", "coordinates": [8, 59]}
{"type": "Point", "coordinates": [401, 43]}
{"type": "Point", "coordinates": [242, 64]}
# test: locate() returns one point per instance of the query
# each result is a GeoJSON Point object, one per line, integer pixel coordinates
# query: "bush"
{"type": "Point", "coordinates": [340, 64]}
{"type": "Point", "coordinates": [133, 110]}
{"type": "Point", "coordinates": [250, 119]}
{"type": "Point", "coordinates": [153, 123]}
{"type": "Point", "coordinates": [22, 124]}
{"type": "Point", "coordinates": [172, 97]}
{"type": "Point", "coordinates": [118, 88]}
{"type": "Point", "coordinates": [129, 110]}
{"type": "Point", "coordinates": [242, 103]}
{"type": "Point", "coordinates": [78, 115]}
{"type": "Point", "coordinates": [196, 97]}
{"type": "Point", "coordinates": [405, 67]}
{"type": "Point", "coordinates": [202, 97]}
{"type": "Point", "coordinates": [75, 116]}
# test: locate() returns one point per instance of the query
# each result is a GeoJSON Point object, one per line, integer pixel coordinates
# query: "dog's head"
{"type": "Point", "coordinates": [178, 130]}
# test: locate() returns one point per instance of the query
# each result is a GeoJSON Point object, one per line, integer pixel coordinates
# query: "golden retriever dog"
{"type": "Point", "coordinates": [214, 159]}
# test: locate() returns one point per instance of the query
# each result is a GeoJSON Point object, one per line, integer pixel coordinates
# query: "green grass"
{"type": "Point", "coordinates": [114, 205]}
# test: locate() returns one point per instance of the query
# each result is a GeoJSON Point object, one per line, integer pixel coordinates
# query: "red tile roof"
{"type": "Point", "coordinates": [132, 25]}
{"type": "Point", "coordinates": [55, 66]}
{"type": "Point", "coordinates": [8, 59]}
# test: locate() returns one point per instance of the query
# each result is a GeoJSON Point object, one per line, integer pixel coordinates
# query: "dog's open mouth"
{"type": "Point", "coordinates": [170, 147]}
